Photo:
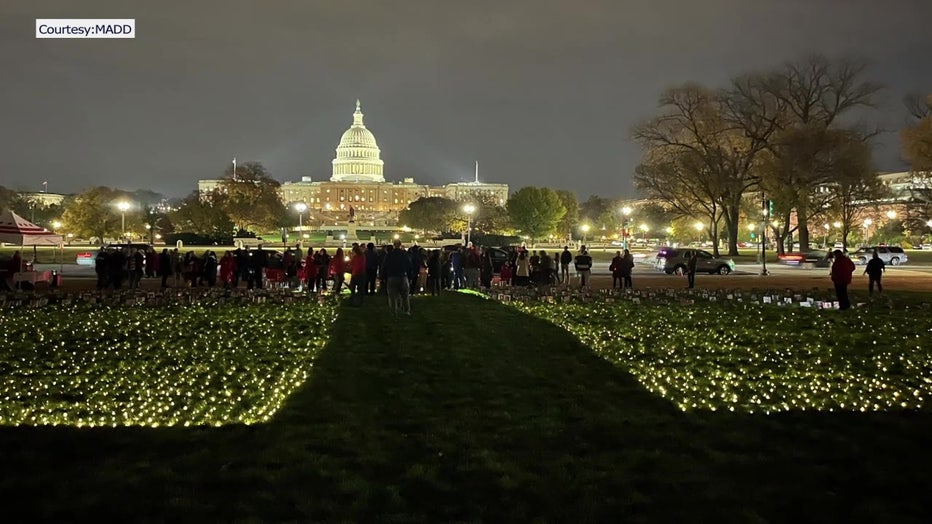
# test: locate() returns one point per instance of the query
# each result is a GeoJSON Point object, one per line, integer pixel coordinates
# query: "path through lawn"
{"type": "Point", "coordinates": [471, 411]}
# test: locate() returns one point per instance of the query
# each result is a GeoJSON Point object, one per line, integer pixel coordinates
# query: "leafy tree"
{"type": "Point", "coordinates": [202, 215]}
{"type": "Point", "coordinates": [250, 198]}
{"type": "Point", "coordinates": [7, 198]}
{"type": "Point", "coordinates": [431, 214]}
{"type": "Point", "coordinates": [94, 213]}
{"type": "Point", "coordinates": [490, 217]}
{"type": "Point", "coordinates": [570, 220]}
{"type": "Point", "coordinates": [593, 208]}
{"type": "Point", "coordinates": [536, 211]}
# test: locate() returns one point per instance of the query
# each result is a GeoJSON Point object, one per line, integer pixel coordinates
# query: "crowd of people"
{"type": "Point", "coordinates": [391, 270]}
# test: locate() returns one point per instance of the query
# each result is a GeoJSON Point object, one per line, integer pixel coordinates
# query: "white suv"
{"type": "Point", "coordinates": [891, 255]}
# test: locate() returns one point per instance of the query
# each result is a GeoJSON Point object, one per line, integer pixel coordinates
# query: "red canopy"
{"type": "Point", "coordinates": [15, 229]}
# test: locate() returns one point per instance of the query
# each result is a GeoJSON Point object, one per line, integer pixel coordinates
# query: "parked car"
{"type": "Point", "coordinates": [891, 255]}
{"type": "Point", "coordinates": [673, 260]}
{"type": "Point", "coordinates": [810, 259]}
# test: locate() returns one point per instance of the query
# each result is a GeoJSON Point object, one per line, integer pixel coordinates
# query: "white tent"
{"type": "Point", "coordinates": [15, 229]}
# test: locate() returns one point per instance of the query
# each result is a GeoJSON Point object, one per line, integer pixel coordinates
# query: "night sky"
{"type": "Point", "coordinates": [541, 92]}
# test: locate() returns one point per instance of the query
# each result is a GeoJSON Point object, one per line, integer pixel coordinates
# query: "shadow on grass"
{"type": "Point", "coordinates": [472, 411]}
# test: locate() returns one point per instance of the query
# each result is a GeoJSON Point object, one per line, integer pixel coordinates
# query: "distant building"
{"type": "Point", "coordinates": [358, 181]}
{"type": "Point", "coordinates": [209, 185]}
{"type": "Point", "coordinates": [43, 199]}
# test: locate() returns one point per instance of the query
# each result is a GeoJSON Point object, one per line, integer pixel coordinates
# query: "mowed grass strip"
{"type": "Point", "coordinates": [473, 411]}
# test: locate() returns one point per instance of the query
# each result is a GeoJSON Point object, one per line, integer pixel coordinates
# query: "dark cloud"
{"type": "Point", "coordinates": [540, 92]}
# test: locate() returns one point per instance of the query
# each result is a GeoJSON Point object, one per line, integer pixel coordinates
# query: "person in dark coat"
{"type": "Point", "coordinates": [691, 268]}
{"type": "Point", "coordinates": [874, 270]}
{"type": "Point", "coordinates": [116, 268]}
{"type": "Point", "coordinates": [102, 268]}
{"type": "Point", "coordinates": [627, 267]}
{"type": "Point", "coordinates": [372, 268]}
{"type": "Point", "coordinates": [615, 268]}
{"type": "Point", "coordinates": [486, 268]}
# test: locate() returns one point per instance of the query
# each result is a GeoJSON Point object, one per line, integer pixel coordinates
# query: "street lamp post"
{"type": "Point", "coordinates": [626, 211]}
{"type": "Point", "coordinates": [123, 206]}
{"type": "Point", "coordinates": [469, 209]}
{"type": "Point", "coordinates": [867, 231]}
{"type": "Point", "coordinates": [699, 228]}
{"type": "Point", "coordinates": [300, 207]}
{"type": "Point", "coordinates": [825, 238]}
{"type": "Point", "coordinates": [585, 231]}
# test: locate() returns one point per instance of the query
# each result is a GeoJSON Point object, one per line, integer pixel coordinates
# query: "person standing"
{"type": "Point", "coordinates": [544, 271]}
{"type": "Point", "coordinates": [227, 269]}
{"type": "Point", "coordinates": [165, 266]}
{"type": "Point", "coordinates": [583, 263]}
{"type": "Point", "coordinates": [875, 269]}
{"type": "Point", "coordinates": [615, 268]}
{"type": "Point", "coordinates": [372, 268]}
{"type": "Point", "coordinates": [627, 267]}
{"type": "Point", "coordinates": [522, 269]}
{"type": "Point", "coordinates": [487, 269]}
{"type": "Point", "coordinates": [396, 270]}
{"type": "Point", "coordinates": [472, 267]}
{"type": "Point", "coordinates": [565, 258]}
{"type": "Point", "coordinates": [691, 268]}
{"type": "Point", "coordinates": [842, 268]}
{"type": "Point", "coordinates": [434, 278]}
{"type": "Point", "coordinates": [358, 280]}
{"type": "Point", "coordinates": [338, 270]}
{"type": "Point", "coordinates": [177, 268]}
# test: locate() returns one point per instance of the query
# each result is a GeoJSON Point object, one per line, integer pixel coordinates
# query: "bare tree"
{"type": "Point", "coordinates": [799, 104]}
{"type": "Point", "coordinates": [916, 138]}
{"type": "Point", "coordinates": [698, 158]}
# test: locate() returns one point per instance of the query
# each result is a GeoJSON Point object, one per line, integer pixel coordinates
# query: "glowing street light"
{"type": "Point", "coordinates": [867, 230]}
{"type": "Point", "coordinates": [891, 214]}
{"type": "Point", "coordinates": [585, 231]}
{"type": "Point", "coordinates": [469, 209]}
{"type": "Point", "coordinates": [300, 207]}
{"type": "Point", "coordinates": [55, 225]}
{"type": "Point", "coordinates": [626, 212]}
{"type": "Point", "coordinates": [123, 206]}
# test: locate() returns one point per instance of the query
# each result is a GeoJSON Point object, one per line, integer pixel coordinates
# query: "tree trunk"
{"type": "Point", "coordinates": [802, 227]}
{"type": "Point", "coordinates": [731, 222]}
{"type": "Point", "coordinates": [713, 236]}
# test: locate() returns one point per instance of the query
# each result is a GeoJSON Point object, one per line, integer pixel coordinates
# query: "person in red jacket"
{"type": "Point", "coordinates": [842, 268]}
{"type": "Point", "coordinates": [227, 269]}
{"type": "Point", "coordinates": [337, 270]}
{"type": "Point", "coordinates": [309, 274]}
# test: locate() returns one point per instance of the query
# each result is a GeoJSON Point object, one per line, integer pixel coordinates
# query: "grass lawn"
{"type": "Point", "coordinates": [474, 411]}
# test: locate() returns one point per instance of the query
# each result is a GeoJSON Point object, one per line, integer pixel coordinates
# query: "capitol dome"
{"type": "Point", "coordinates": [357, 155]}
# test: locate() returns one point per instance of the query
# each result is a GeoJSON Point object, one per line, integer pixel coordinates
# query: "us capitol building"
{"type": "Point", "coordinates": [358, 182]}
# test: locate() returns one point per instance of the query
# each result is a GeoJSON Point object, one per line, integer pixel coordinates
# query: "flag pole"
{"type": "Point", "coordinates": [477, 171]}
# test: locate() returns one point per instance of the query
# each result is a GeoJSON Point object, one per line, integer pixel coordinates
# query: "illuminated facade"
{"type": "Point", "coordinates": [358, 181]}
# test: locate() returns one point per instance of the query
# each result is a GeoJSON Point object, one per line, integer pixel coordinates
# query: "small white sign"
{"type": "Point", "coordinates": [85, 28]}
